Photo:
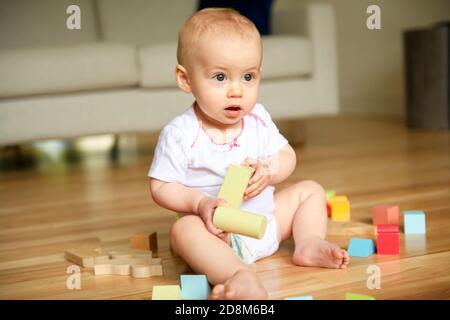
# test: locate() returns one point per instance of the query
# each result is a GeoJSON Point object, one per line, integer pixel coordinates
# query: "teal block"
{"type": "Point", "coordinates": [300, 298]}
{"type": "Point", "coordinates": [194, 287]}
{"type": "Point", "coordinates": [414, 222]}
{"type": "Point", "coordinates": [361, 247]}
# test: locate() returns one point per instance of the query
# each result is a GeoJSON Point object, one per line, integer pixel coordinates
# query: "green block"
{"type": "Point", "coordinates": [234, 185]}
{"type": "Point", "coordinates": [330, 193]}
{"type": "Point", "coordinates": [357, 296]}
{"type": "Point", "coordinates": [171, 292]}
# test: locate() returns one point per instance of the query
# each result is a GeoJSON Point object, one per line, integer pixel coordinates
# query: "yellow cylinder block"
{"type": "Point", "coordinates": [240, 222]}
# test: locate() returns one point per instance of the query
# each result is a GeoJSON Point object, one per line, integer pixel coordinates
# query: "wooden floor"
{"type": "Point", "coordinates": [44, 210]}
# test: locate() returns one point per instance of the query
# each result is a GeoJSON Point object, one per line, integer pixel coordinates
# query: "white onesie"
{"type": "Point", "coordinates": [186, 154]}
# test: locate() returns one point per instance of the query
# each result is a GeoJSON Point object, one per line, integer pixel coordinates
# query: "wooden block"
{"type": "Point", "coordinates": [385, 214]}
{"type": "Point", "coordinates": [84, 257]}
{"type": "Point", "coordinates": [130, 253]}
{"type": "Point", "coordinates": [86, 253]}
{"type": "Point", "coordinates": [171, 292]}
{"type": "Point", "coordinates": [137, 268]}
{"type": "Point", "coordinates": [388, 240]}
{"type": "Point", "coordinates": [120, 267]}
{"type": "Point", "coordinates": [234, 185]}
{"type": "Point", "coordinates": [194, 287]}
{"type": "Point", "coordinates": [156, 269]}
{"type": "Point", "coordinates": [414, 222]}
{"type": "Point", "coordinates": [340, 208]}
{"type": "Point", "coordinates": [300, 298]}
{"type": "Point", "coordinates": [240, 222]}
{"type": "Point", "coordinates": [361, 247]}
{"type": "Point", "coordinates": [357, 296]}
{"type": "Point", "coordinates": [145, 241]}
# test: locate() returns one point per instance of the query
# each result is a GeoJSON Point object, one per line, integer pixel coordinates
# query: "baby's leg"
{"type": "Point", "coordinates": [209, 255]}
{"type": "Point", "coordinates": [301, 212]}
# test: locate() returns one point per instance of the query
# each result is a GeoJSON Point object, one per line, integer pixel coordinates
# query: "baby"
{"type": "Point", "coordinates": [219, 61]}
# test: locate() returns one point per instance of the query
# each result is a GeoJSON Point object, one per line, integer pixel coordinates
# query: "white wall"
{"type": "Point", "coordinates": [371, 72]}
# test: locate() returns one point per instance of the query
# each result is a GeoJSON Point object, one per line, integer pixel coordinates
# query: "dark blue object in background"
{"type": "Point", "coordinates": [258, 11]}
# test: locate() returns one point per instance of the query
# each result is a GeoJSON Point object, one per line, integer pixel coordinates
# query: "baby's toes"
{"type": "Point", "coordinates": [217, 292]}
{"type": "Point", "coordinates": [337, 253]}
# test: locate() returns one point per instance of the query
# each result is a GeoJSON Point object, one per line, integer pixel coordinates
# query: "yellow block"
{"type": "Point", "coordinates": [240, 222]}
{"type": "Point", "coordinates": [234, 185]}
{"type": "Point", "coordinates": [171, 292]}
{"type": "Point", "coordinates": [340, 208]}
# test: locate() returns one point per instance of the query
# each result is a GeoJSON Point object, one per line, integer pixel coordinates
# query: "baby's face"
{"type": "Point", "coordinates": [224, 75]}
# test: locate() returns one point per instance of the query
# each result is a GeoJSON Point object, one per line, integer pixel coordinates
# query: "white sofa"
{"type": "Point", "coordinates": [116, 74]}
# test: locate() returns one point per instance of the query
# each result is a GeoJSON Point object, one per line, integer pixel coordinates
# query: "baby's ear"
{"type": "Point", "coordinates": [182, 78]}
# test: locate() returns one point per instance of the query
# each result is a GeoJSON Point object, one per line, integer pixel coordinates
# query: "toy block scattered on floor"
{"type": "Point", "coordinates": [388, 239]}
{"type": "Point", "coordinates": [340, 208]}
{"type": "Point", "coordinates": [130, 253]}
{"type": "Point", "coordinates": [300, 298]}
{"type": "Point", "coordinates": [85, 257]}
{"type": "Point", "coordinates": [357, 296]}
{"type": "Point", "coordinates": [414, 222]}
{"type": "Point", "coordinates": [86, 253]}
{"type": "Point", "coordinates": [194, 287]}
{"type": "Point", "coordinates": [145, 241]}
{"type": "Point", "coordinates": [230, 218]}
{"type": "Point", "coordinates": [385, 214]}
{"type": "Point", "coordinates": [361, 247]}
{"type": "Point", "coordinates": [170, 292]}
{"type": "Point", "coordinates": [125, 267]}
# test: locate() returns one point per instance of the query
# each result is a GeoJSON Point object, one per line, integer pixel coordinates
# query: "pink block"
{"type": "Point", "coordinates": [385, 214]}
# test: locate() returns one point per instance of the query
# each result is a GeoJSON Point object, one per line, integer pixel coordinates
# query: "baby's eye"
{"type": "Point", "coordinates": [219, 77]}
{"type": "Point", "coordinates": [248, 77]}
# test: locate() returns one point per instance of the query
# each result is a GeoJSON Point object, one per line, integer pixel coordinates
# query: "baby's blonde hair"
{"type": "Point", "coordinates": [219, 21]}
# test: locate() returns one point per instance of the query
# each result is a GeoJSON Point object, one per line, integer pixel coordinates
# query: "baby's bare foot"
{"type": "Point", "coordinates": [242, 285]}
{"type": "Point", "coordinates": [315, 252]}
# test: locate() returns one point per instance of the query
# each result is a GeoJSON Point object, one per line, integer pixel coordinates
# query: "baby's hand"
{"type": "Point", "coordinates": [260, 178]}
{"type": "Point", "coordinates": [206, 209]}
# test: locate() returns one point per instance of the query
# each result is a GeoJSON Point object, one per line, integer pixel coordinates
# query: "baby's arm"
{"type": "Point", "coordinates": [269, 171]}
{"type": "Point", "coordinates": [286, 164]}
{"type": "Point", "coordinates": [175, 196]}
{"type": "Point", "coordinates": [179, 198]}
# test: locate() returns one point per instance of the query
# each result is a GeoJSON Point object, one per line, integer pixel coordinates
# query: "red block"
{"type": "Point", "coordinates": [388, 239]}
{"type": "Point", "coordinates": [385, 214]}
{"type": "Point", "coordinates": [329, 209]}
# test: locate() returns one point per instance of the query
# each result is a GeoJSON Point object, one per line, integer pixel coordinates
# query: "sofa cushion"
{"type": "Point", "coordinates": [284, 57]}
{"type": "Point", "coordinates": [66, 68]}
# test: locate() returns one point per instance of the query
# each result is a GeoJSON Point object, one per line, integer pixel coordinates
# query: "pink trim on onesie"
{"type": "Point", "coordinates": [258, 118]}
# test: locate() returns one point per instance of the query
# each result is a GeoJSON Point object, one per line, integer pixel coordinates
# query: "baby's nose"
{"type": "Point", "coordinates": [235, 89]}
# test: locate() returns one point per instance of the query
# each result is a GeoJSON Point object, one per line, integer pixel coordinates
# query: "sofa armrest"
{"type": "Point", "coordinates": [315, 21]}
{"type": "Point", "coordinates": [322, 32]}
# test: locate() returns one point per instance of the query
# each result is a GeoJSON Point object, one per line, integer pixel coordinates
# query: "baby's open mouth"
{"type": "Point", "coordinates": [233, 108]}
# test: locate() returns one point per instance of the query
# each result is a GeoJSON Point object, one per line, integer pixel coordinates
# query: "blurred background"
{"type": "Point", "coordinates": [87, 79]}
